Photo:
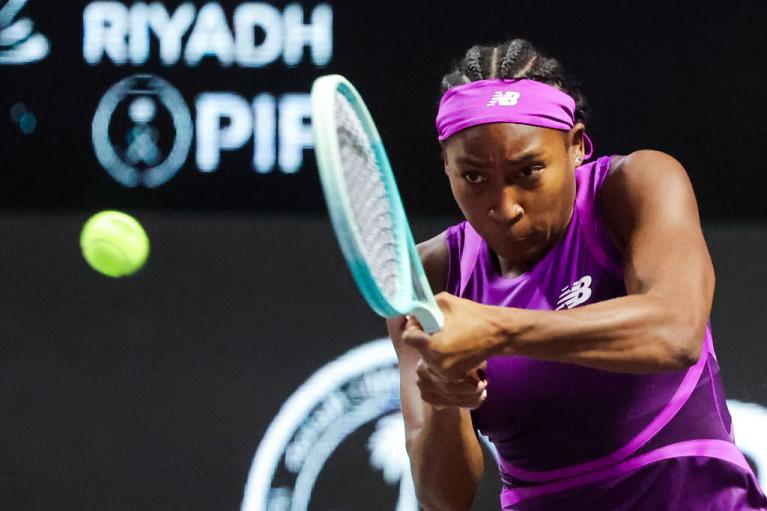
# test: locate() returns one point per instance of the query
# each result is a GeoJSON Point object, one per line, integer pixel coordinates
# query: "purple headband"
{"type": "Point", "coordinates": [518, 101]}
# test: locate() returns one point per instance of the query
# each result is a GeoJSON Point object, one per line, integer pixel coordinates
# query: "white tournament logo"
{"type": "Point", "coordinates": [19, 43]}
{"type": "Point", "coordinates": [348, 411]}
{"type": "Point", "coordinates": [131, 127]}
{"type": "Point", "coordinates": [338, 441]}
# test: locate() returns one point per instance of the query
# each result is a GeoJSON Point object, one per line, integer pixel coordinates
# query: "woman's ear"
{"type": "Point", "coordinates": [577, 142]}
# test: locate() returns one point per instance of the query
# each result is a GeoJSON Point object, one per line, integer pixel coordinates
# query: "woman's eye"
{"type": "Point", "coordinates": [531, 171]}
{"type": "Point", "coordinates": [473, 177]}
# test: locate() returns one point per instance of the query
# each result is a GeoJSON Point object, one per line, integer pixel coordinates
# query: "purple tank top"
{"type": "Point", "coordinates": [566, 433]}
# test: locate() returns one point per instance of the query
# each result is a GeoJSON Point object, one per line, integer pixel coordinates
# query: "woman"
{"type": "Point", "coordinates": [576, 299]}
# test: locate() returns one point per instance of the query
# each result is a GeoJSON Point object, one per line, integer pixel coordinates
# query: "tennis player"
{"type": "Point", "coordinates": [576, 297]}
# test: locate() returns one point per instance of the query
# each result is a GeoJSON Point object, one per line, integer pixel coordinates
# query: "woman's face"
{"type": "Point", "coordinates": [515, 184]}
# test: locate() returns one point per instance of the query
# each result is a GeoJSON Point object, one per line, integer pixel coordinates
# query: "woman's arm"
{"type": "Point", "coordinates": [651, 212]}
{"type": "Point", "coordinates": [445, 455]}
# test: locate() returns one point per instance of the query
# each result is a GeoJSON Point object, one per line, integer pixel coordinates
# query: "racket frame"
{"type": "Point", "coordinates": [413, 294]}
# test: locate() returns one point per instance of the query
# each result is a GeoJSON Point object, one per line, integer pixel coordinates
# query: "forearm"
{"type": "Point", "coordinates": [446, 459]}
{"type": "Point", "coordinates": [634, 334]}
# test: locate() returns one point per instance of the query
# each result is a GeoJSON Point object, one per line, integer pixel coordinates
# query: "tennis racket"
{"type": "Point", "coordinates": [365, 207]}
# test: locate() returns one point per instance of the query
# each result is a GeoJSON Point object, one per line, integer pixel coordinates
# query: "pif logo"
{"type": "Point", "coordinates": [127, 130]}
{"type": "Point", "coordinates": [143, 130]}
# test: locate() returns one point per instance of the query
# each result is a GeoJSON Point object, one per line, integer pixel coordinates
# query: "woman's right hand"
{"type": "Point", "coordinates": [467, 391]}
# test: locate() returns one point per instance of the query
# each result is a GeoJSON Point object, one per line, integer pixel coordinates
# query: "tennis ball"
{"type": "Point", "coordinates": [114, 243]}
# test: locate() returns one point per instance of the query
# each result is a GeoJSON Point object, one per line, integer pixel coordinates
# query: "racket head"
{"type": "Point", "coordinates": [364, 203]}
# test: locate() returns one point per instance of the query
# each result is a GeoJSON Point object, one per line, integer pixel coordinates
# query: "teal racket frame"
{"type": "Point", "coordinates": [413, 295]}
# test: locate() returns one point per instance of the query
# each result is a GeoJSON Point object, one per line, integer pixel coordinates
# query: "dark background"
{"type": "Point", "coordinates": [682, 77]}
{"type": "Point", "coordinates": [153, 392]}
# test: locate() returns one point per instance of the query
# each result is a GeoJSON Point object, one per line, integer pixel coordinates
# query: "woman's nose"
{"type": "Point", "coordinates": [507, 209]}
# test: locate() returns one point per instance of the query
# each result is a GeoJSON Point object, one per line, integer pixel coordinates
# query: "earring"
{"type": "Point", "coordinates": [578, 159]}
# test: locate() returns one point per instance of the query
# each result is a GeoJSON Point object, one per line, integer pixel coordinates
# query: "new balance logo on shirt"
{"type": "Point", "coordinates": [575, 294]}
{"type": "Point", "coordinates": [504, 98]}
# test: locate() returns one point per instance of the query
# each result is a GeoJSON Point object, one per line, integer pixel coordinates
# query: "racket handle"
{"type": "Point", "coordinates": [431, 319]}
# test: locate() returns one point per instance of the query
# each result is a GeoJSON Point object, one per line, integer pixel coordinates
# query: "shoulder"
{"type": "Point", "coordinates": [644, 164]}
{"type": "Point", "coordinates": [642, 186]}
{"type": "Point", "coordinates": [435, 258]}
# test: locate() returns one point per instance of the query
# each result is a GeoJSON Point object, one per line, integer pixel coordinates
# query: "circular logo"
{"type": "Point", "coordinates": [142, 131]}
{"type": "Point", "coordinates": [348, 411]}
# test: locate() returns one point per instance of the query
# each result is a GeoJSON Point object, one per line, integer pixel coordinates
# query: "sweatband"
{"type": "Point", "coordinates": [517, 101]}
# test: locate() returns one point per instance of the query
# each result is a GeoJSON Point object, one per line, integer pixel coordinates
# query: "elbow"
{"type": "Point", "coordinates": [686, 320]}
{"type": "Point", "coordinates": [683, 357]}
{"type": "Point", "coordinates": [686, 345]}
{"type": "Point", "coordinates": [679, 330]}
{"type": "Point", "coordinates": [693, 322]}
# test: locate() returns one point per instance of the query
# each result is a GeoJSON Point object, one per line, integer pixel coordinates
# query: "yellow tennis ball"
{"type": "Point", "coordinates": [114, 243]}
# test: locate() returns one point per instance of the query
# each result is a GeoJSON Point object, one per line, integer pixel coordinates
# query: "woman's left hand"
{"type": "Point", "coordinates": [469, 336]}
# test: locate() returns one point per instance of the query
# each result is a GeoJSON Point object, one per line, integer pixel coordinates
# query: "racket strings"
{"type": "Point", "coordinates": [373, 220]}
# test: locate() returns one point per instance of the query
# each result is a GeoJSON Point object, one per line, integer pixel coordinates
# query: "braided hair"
{"type": "Point", "coordinates": [514, 59]}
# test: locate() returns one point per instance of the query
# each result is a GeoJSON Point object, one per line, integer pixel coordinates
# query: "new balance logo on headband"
{"type": "Point", "coordinates": [504, 98]}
